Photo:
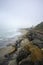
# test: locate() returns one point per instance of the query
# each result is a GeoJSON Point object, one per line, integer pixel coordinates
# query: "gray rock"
{"type": "Point", "coordinates": [38, 42]}
{"type": "Point", "coordinates": [21, 55]}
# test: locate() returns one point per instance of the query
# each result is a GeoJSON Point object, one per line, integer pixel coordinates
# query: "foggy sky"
{"type": "Point", "coordinates": [20, 13]}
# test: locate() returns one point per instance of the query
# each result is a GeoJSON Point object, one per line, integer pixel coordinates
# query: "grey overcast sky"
{"type": "Point", "coordinates": [20, 13]}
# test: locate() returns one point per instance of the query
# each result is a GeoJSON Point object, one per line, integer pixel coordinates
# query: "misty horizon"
{"type": "Point", "coordinates": [20, 13]}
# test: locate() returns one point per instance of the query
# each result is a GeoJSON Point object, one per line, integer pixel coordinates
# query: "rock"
{"type": "Point", "coordinates": [6, 52]}
{"type": "Point", "coordinates": [28, 58]}
{"type": "Point", "coordinates": [24, 42]}
{"type": "Point", "coordinates": [30, 35]}
{"type": "Point", "coordinates": [12, 62]}
{"type": "Point", "coordinates": [9, 55]}
{"type": "Point", "coordinates": [38, 42]}
{"type": "Point", "coordinates": [38, 63]}
{"type": "Point", "coordinates": [26, 63]}
{"type": "Point", "coordinates": [1, 60]}
{"type": "Point", "coordinates": [17, 44]}
{"type": "Point", "coordinates": [42, 50]}
{"type": "Point", "coordinates": [36, 53]}
{"type": "Point", "coordinates": [22, 54]}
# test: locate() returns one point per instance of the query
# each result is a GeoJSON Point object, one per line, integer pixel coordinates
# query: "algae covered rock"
{"type": "Point", "coordinates": [36, 53]}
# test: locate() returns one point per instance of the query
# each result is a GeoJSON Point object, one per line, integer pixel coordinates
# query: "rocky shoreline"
{"type": "Point", "coordinates": [19, 54]}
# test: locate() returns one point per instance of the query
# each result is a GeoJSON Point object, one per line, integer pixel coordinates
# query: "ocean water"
{"type": "Point", "coordinates": [7, 35]}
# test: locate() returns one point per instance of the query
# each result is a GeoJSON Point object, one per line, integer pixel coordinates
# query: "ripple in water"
{"type": "Point", "coordinates": [5, 37]}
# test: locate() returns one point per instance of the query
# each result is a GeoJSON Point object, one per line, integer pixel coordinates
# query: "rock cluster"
{"type": "Point", "coordinates": [28, 50]}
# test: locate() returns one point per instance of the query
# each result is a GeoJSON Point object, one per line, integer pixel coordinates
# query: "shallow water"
{"type": "Point", "coordinates": [6, 36]}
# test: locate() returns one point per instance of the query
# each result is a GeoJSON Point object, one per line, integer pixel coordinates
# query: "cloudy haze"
{"type": "Point", "coordinates": [20, 13]}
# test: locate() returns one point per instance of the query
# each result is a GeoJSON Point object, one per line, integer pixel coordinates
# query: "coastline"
{"type": "Point", "coordinates": [9, 53]}
{"type": "Point", "coordinates": [9, 40]}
